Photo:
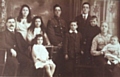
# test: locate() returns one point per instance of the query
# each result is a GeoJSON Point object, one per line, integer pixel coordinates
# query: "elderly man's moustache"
{"type": "Point", "coordinates": [11, 25]}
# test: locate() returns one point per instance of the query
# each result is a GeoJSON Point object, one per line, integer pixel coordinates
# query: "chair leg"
{"type": "Point", "coordinates": [2, 74]}
{"type": "Point", "coordinates": [16, 72]}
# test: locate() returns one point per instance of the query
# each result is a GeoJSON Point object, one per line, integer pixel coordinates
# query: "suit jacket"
{"type": "Point", "coordinates": [83, 24]}
{"type": "Point", "coordinates": [22, 45]}
{"type": "Point", "coordinates": [14, 41]}
{"type": "Point", "coordinates": [83, 28]}
{"type": "Point", "coordinates": [56, 29]}
{"type": "Point", "coordinates": [71, 44]}
{"type": "Point", "coordinates": [8, 40]}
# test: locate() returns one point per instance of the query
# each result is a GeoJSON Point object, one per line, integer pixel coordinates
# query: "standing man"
{"type": "Point", "coordinates": [83, 21]}
{"type": "Point", "coordinates": [9, 43]}
{"type": "Point", "coordinates": [83, 24]}
{"type": "Point", "coordinates": [56, 29]}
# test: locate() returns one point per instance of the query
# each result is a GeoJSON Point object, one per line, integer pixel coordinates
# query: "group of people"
{"type": "Point", "coordinates": [81, 41]}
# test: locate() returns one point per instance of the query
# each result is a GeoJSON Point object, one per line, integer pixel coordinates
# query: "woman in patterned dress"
{"type": "Point", "coordinates": [99, 41]}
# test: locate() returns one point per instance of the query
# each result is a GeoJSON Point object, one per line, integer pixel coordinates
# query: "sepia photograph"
{"type": "Point", "coordinates": [59, 38]}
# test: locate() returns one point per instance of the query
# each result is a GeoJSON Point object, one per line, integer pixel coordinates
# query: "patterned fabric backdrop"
{"type": "Point", "coordinates": [95, 10]}
{"type": "Point", "coordinates": [107, 10]}
{"type": "Point", "coordinates": [112, 15]}
{"type": "Point", "coordinates": [3, 14]}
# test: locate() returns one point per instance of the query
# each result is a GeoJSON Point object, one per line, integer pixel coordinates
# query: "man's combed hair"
{"type": "Point", "coordinates": [10, 18]}
{"type": "Point", "coordinates": [94, 17]}
{"type": "Point", "coordinates": [86, 3]}
{"type": "Point", "coordinates": [56, 5]}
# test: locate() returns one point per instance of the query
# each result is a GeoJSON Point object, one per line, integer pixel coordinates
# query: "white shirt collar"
{"type": "Point", "coordinates": [10, 30]}
{"type": "Point", "coordinates": [71, 31]}
{"type": "Point", "coordinates": [86, 15]}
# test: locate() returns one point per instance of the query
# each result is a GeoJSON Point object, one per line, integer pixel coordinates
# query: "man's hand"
{"type": "Point", "coordinates": [59, 45]}
{"type": "Point", "coordinates": [14, 54]}
{"type": "Point", "coordinates": [66, 57]}
{"type": "Point", "coordinates": [82, 52]}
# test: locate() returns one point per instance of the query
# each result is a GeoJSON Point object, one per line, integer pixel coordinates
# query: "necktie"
{"type": "Point", "coordinates": [84, 17]}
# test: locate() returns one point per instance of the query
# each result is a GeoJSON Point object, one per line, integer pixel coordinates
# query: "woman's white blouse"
{"type": "Point", "coordinates": [22, 28]}
{"type": "Point", "coordinates": [100, 41]}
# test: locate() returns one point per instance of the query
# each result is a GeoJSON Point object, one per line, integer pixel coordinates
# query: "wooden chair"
{"type": "Point", "coordinates": [51, 50]}
{"type": "Point", "coordinates": [3, 57]}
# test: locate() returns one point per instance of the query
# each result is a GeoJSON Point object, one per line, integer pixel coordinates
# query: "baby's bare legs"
{"type": "Point", "coordinates": [48, 70]}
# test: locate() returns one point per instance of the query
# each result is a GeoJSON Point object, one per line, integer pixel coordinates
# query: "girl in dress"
{"type": "Point", "coordinates": [40, 56]}
{"type": "Point", "coordinates": [24, 20]}
{"type": "Point", "coordinates": [37, 27]}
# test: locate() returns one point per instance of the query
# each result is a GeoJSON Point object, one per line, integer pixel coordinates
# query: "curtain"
{"type": "Point", "coordinates": [74, 8]}
{"type": "Point", "coordinates": [112, 15]}
{"type": "Point", "coordinates": [105, 10]}
{"type": "Point", "coordinates": [95, 9]}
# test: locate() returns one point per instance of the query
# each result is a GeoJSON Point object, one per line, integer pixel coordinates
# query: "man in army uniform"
{"type": "Point", "coordinates": [56, 29]}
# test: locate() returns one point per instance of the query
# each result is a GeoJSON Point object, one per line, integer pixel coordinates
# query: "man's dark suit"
{"type": "Point", "coordinates": [9, 42]}
{"type": "Point", "coordinates": [24, 56]}
{"type": "Point", "coordinates": [83, 24]}
{"type": "Point", "coordinates": [83, 28]}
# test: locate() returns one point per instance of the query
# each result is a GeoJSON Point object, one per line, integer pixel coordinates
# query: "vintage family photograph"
{"type": "Point", "coordinates": [59, 38]}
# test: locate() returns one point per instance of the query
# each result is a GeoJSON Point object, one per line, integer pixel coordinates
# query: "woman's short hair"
{"type": "Point", "coordinates": [104, 22]}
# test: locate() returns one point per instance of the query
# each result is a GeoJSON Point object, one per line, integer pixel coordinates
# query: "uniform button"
{"type": "Point", "coordinates": [14, 45]}
{"type": "Point", "coordinates": [61, 28]}
{"type": "Point", "coordinates": [84, 42]}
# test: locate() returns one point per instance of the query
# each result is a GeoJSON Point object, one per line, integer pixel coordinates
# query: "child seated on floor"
{"type": "Point", "coordinates": [40, 56]}
{"type": "Point", "coordinates": [112, 51]}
